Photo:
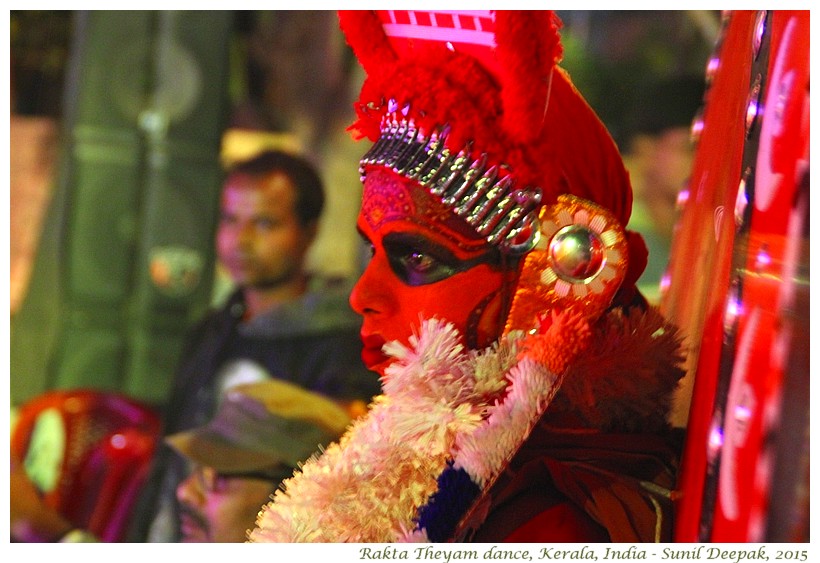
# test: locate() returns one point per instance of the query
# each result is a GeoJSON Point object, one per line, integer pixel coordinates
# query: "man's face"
{"type": "Point", "coordinates": [424, 264]}
{"type": "Point", "coordinates": [219, 509]}
{"type": "Point", "coordinates": [260, 240]}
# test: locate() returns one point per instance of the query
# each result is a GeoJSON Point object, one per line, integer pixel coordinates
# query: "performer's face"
{"type": "Point", "coordinates": [425, 264]}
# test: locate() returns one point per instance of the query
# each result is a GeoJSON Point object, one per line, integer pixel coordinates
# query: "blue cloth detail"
{"type": "Point", "coordinates": [442, 513]}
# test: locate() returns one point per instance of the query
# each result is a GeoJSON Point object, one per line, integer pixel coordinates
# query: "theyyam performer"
{"type": "Point", "coordinates": [526, 383]}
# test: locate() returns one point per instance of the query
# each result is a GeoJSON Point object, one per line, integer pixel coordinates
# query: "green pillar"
{"type": "Point", "coordinates": [125, 263]}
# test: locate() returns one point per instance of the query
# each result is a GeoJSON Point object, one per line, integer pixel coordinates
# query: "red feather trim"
{"type": "Point", "coordinates": [441, 88]}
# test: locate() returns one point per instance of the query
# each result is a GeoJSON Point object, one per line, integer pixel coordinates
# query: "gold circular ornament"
{"type": "Point", "coordinates": [579, 263]}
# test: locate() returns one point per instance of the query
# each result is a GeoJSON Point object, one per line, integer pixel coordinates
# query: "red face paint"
{"type": "Point", "coordinates": [426, 263]}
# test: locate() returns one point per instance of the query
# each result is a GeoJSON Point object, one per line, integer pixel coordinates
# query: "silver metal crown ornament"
{"type": "Point", "coordinates": [485, 197]}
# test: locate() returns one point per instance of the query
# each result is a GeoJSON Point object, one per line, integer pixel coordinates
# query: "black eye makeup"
{"type": "Point", "coordinates": [417, 260]}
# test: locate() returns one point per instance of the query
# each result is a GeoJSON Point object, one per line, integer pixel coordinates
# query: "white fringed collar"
{"type": "Point", "coordinates": [449, 421]}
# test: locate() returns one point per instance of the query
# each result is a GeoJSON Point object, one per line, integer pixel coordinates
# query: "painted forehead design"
{"type": "Point", "coordinates": [389, 197]}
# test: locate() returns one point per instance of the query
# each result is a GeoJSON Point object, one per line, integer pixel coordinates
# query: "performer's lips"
{"type": "Point", "coordinates": [372, 354]}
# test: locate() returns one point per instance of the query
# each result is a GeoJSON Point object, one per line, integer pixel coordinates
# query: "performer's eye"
{"type": "Point", "coordinates": [417, 268]}
{"type": "Point", "coordinates": [419, 261]}
{"type": "Point", "coordinates": [413, 261]}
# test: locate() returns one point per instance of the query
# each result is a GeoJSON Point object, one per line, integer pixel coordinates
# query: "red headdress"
{"type": "Point", "coordinates": [471, 109]}
{"type": "Point", "coordinates": [472, 106]}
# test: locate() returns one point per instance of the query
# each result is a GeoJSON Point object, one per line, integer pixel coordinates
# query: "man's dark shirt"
{"type": "Point", "coordinates": [312, 342]}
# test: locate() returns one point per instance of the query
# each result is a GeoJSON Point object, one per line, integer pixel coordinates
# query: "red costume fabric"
{"type": "Point", "coordinates": [598, 470]}
{"type": "Point", "coordinates": [584, 487]}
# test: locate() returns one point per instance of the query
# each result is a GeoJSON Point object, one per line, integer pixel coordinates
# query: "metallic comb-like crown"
{"type": "Point", "coordinates": [485, 197]}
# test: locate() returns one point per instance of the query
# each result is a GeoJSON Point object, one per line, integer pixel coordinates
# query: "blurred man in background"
{"type": "Point", "coordinates": [278, 323]}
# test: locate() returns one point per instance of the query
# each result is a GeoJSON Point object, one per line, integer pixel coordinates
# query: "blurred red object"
{"type": "Point", "coordinates": [738, 286]}
{"type": "Point", "coordinates": [89, 452]}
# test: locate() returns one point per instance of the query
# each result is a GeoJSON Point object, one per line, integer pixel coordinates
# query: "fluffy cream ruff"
{"type": "Point", "coordinates": [443, 403]}
{"type": "Point", "coordinates": [440, 403]}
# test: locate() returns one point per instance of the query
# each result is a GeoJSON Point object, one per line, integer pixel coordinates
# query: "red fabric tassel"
{"type": "Point", "coordinates": [528, 48]}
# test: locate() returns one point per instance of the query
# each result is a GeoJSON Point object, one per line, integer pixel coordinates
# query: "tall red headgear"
{"type": "Point", "coordinates": [471, 105]}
